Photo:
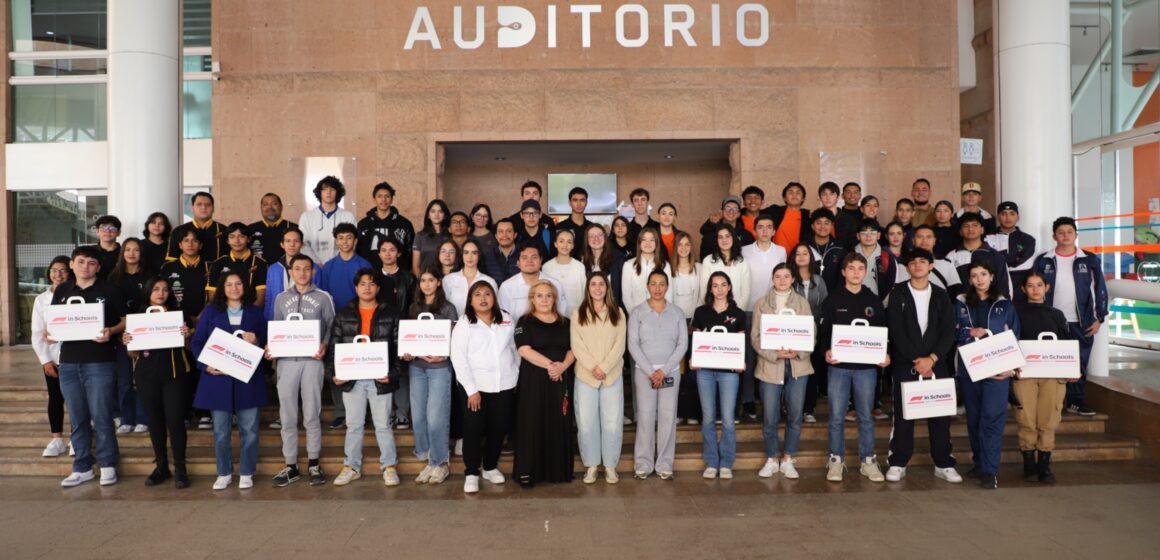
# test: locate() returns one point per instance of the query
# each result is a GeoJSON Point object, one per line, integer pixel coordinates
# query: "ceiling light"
{"type": "Point", "coordinates": [500, 158]}
{"type": "Point", "coordinates": [50, 33]}
{"type": "Point", "coordinates": [668, 156]}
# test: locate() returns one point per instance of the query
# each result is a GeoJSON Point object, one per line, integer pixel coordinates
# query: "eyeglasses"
{"type": "Point", "coordinates": [109, 229]}
{"type": "Point", "coordinates": [731, 209]}
{"type": "Point", "coordinates": [58, 271]}
{"type": "Point", "coordinates": [530, 213]}
{"type": "Point", "coordinates": [458, 223]}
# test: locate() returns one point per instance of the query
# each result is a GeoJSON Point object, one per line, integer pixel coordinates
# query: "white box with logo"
{"type": "Point", "coordinates": [293, 337]}
{"type": "Point", "coordinates": [74, 320]}
{"type": "Point", "coordinates": [928, 398]}
{"type": "Point", "coordinates": [859, 343]}
{"type": "Point", "coordinates": [991, 355]}
{"type": "Point", "coordinates": [425, 336]}
{"type": "Point", "coordinates": [155, 329]}
{"type": "Point", "coordinates": [718, 349]}
{"type": "Point", "coordinates": [231, 355]}
{"type": "Point", "coordinates": [362, 359]}
{"type": "Point", "coordinates": [1049, 358]}
{"type": "Point", "coordinates": [787, 331]}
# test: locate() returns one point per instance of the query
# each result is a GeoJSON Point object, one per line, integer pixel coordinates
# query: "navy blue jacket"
{"type": "Point", "coordinates": [1091, 292]}
{"type": "Point", "coordinates": [998, 316]}
{"type": "Point", "coordinates": [222, 392]}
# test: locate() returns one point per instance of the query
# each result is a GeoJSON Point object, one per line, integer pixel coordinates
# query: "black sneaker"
{"type": "Point", "coordinates": [989, 481]}
{"type": "Point", "coordinates": [287, 476]}
{"type": "Point", "coordinates": [316, 476]}
{"type": "Point", "coordinates": [404, 423]}
{"type": "Point", "coordinates": [1083, 409]}
{"type": "Point", "coordinates": [749, 410]}
{"type": "Point", "coordinates": [204, 423]}
{"type": "Point", "coordinates": [339, 423]}
{"type": "Point", "coordinates": [157, 477]}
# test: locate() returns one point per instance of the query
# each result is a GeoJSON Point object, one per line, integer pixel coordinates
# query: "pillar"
{"type": "Point", "coordinates": [144, 111]}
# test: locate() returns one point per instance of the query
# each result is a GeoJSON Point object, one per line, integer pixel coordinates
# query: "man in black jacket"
{"type": "Point", "coordinates": [1016, 246]}
{"type": "Point", "coordinates": [382, 222]}
{"type": "Point", "coordinates": [921, 323]}
{"type": "Point", "coordinates": [827, 251]}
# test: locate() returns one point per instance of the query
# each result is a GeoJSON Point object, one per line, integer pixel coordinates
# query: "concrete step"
{"type": "Point", "coordinates": [750, 456]}
{"type": "Point", "coordinates": [34, 434]}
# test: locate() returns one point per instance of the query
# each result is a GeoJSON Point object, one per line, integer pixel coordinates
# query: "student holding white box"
{"type": "Point", "coordinates": [983, 307]}
{"type": "Point", "coordinates": [1040, 400]}
{"type": "Point", "coordinates": [846, 303]}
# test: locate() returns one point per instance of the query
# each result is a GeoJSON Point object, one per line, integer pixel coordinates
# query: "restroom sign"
{"type": "Point", "coordinates": [971, 151]}
{"type": "Point", "coordinates": [517, 26]}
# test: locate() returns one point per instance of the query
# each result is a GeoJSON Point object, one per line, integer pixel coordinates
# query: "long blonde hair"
{"type": "Point", "coordinates": [532, 290]}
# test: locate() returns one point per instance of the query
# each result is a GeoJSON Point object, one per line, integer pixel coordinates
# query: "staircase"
{"type": "Point", "coordinates": [24, 433]}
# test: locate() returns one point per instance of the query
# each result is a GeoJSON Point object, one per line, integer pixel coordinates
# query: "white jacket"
{"type": "Point", "coordinates": [45, 352]}
{"type": "Point", "coordinates": [738, 275]}
{"type": "Point", "coordinates": [634, 286]}
{"type": "Point", "coordinates": [484, 357]}
{"type": "Point", "coordinates": [513, 295]}
{"type": "Point", "coordinates": [572, 277]}
{"type": "Point", "coordinates": [318, 232]}
{"type": "Point", "coordinates": [688, 292]}
{"type": "Point", "coordinates": [455, 288]}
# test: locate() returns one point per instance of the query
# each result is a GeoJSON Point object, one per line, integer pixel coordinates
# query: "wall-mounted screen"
{"type": "Point", "coordinates": [601, 189]}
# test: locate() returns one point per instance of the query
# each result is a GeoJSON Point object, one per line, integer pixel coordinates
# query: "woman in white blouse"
{"type": "Point", "coordinates": [688, 289]}
{"type": "Point", "coordinates": [634, 275]}
{"type": "Point", "coordinates": [726, 257]}
{"type": "Point", "coordinates": [455, 284]}
{"type": "Point", "coordinates": [483, 353]}
{"type": "Point", "coordinates": [48, 355]}
{"type": "Point", "coordinates": [569, 271]}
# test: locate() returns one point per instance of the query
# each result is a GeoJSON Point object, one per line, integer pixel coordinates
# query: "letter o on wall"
{"type": "Point", "coordinates": [742, 37]}
{"type": "Point", "coordinates": [642, 13]}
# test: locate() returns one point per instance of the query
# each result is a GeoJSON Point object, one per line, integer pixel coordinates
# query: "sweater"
{"type": "Point", "coordinates": [337, 278]}
{"type": "Point", "coordinates": [277, 280]}
{"type": "Point", "coordinates": [313, 304]}
{"type": "Point", "coordinates": [657, 340]}
{"type": "Point", "coordinates": [573, 280]}
{"type": "Point", "coordinates": [770, 368]}
{"type": "Point", "coordinates": [599, 343]}
{"type": "Point", "coordinates": [318, 232]}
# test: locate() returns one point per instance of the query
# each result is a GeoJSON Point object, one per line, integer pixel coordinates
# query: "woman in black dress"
{"type": "Point", "coordinates": [544, 448]}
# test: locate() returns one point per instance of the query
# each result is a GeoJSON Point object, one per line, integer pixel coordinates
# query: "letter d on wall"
{"type": "Point", "coordinates": [517, 27]}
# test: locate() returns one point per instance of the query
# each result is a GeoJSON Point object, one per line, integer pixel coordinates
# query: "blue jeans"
{"type": "Point", "coordinates": [248, 423]}
{"type": "Point", "coordinates": [128, 406]}
{"type": "Point", "coordinates": [795, 398]}
{"type": "Point", "coordinates": [600, 422]}
{"type": "Point", "coordinates": [842, 382]}
{"type": "Point", "coordinates": [986, 404]}
{"type": "Point", "coordinates": [89, 394]}
{"type": "Point", "coordinates": [431, 412]}
{"type": "Point", "coordinates": [718, 391]}
{"type": "Point", "coordinates": [356, 401]}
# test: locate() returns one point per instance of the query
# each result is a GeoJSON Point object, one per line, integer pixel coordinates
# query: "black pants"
{"type": "Point", "coordinates": [484, 430]}
{"type": "Point", "coordinates": [902, 437]}
{"type": "Point", "coordinates": [55, 405]}
{"type": "Point", "coordinates": [166, 401]}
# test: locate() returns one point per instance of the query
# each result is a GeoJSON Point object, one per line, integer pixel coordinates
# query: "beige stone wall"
{"type": "Point", "coordinates": [978, 106]}
{"type": "Point", "coordinates": [304, 78]}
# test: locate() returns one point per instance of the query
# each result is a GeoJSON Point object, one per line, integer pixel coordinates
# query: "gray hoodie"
{"type": "Point", "coordinates": [315, 304]}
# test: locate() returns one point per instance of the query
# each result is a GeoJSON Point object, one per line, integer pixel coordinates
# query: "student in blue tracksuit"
{"type": "Point", "coordinates": [983, 307]}
{"type": "Point", "coordinates": [1077, 288]}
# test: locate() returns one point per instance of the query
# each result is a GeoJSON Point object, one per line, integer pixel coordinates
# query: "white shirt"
{"type": "Point", "coordinates": [455, 287]}
{"type": "Point", "coordinates": [318, 232]}
{"type": "Point", "coordinates": [572, 277]}
{"type": "Point", "coordinates": [45, 352]}
{"type": "Point", "coordinates": [738, 273]}
{"type": "Point", "coordinates": [761, 265]}
{"type": "Point", "coordinates": [687, 290]}
{"type": "Point", "coordinates": [513, 295]}
{"type": "Point", "coordinates": [634, 286]}
{"type": "Point", "coordinates": [484, 357]}
{"type": "Point", "coordinates": [1063, 293]}
{"type": "Point", "coordinates": [921, 306]}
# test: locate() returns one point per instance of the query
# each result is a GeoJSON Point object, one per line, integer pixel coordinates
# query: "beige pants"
{"type": "Point", "coordinates": [1041, 404]}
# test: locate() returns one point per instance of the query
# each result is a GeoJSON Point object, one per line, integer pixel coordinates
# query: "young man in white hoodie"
{"type": "Point", "coordinates": [318, 223]}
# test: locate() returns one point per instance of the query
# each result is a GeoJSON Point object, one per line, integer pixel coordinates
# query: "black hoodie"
{"type": "Point", "coordinates": [372, 230]}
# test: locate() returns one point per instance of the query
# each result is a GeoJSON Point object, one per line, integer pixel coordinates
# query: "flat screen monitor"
{"type": "Point", "coordinates": [601, 189]}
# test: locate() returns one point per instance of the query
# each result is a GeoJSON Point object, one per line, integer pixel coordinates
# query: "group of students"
{"type": "Point", "coordinates": [550, 317]}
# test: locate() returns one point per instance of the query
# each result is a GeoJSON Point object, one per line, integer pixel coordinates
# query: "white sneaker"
{"type": "Point", "coordinates": [627, 421]}
{"type": "Point", "coordinates": [391, 476]}
{"type": "Point", "coordinates": [76, 479]}
{"type": "Point", "coordinates": [694, 422]}
{"type": "Point", "coordinates": [769, 469]}
{"type": "Point", "coordinates": [590, 475]}
{"type": "Point", "coordinates": [725, 474]}
{"type": "Point", "coordinates": [961, 410]}
{"type": "Point", "coordinates": [346, 476]}
{"type": "Point", "coordinates": [439, 474]}
{"type": "Point", "coordinates": [424, 475]}
{"type": "Point", "coordinates": [895, 474]}
{"type": "Point", "coordinates": [710, 473]}
{"type": "Point", "coordinates": [71, 452]}
{"type": "Point", "coordinates": [124, 428]}
{"type": "Point", "coordinates": [493, 476]}
{"type": "Point", "coordinates": [788, 470]}
{"type": "Point", "coordinates": [117, 422]}
{"type": "Point", "coordinates": [245, 482]}
{"type": "Point", "coordinates": [54, 448]}
{"type": "Point", "coordinates": [948, 474]}
{"type": "Point", "coordinates": [223, 482]}
{"type": "Point", "coordinates": [108, 476]}
{"type": "Point", "coordinates": [610, 476]}
{"type": "Point", "coordinates": [459, 447]}
{"type": "Point", "coordinates": [471, 484]}
{"type": "Point", "coordinates": [834, 469]}
{"type": "Point", "coordinates": [141, 428]}
{"type": "Point", "coordinates": [871, 470]}
{"type": "Point", "coordinates": [275, 425]}
{"type": "Point", "coordinates": [809, 418]}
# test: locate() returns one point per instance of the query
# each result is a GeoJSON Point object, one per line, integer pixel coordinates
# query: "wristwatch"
{"type": "Point", "coordinates": [933, 358]}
